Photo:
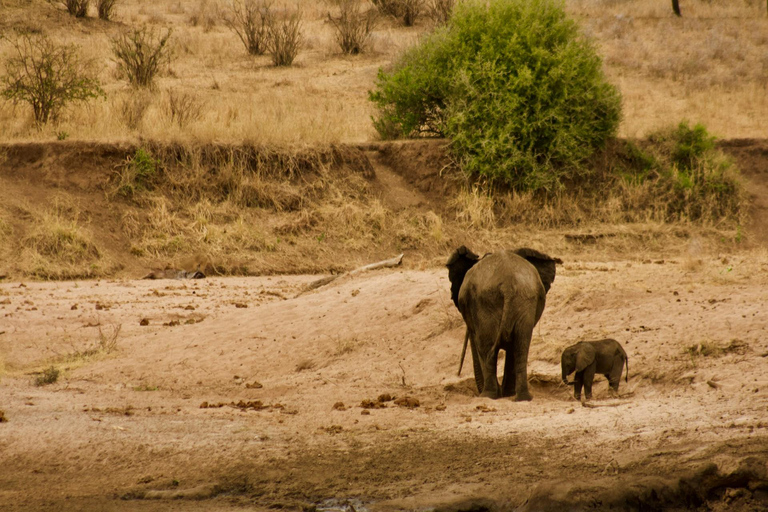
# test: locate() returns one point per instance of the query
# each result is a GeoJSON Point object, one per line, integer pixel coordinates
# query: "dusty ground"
{"type": "Point", "coordinates": [123, 427]}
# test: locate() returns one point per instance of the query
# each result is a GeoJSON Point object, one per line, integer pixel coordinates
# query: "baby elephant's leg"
{"type": "Point", "coordinates": [578, 382]}
{"type": "Point", "coordinates": [589, 376]}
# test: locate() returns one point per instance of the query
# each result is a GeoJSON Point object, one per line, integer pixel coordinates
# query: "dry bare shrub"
{"type": "Point", "coordinates": [106, 9]}
{"type": "Point", "coordinates": [206, 15]}
{"type": "Point", "coordinates": [140, 53]}
{"type": "Point", "coordinates": [439, 11]}
{"type": "Point", "coordinates": [408, 10]}
{"type": "Point", "coordinates": [248, 19]}
{"type": "Point", "coordinates": [353, 26]}
{"type": "Point", "coordinates": [134, 108]}
{"type": "Point", "coordinates": [412, 9]}
{"type": "Point", "coordinates": [77, 8]}
{"type": "Point", "coordinates": [183, 108]}
{"type": "Point", "coordinates": [285, 37]}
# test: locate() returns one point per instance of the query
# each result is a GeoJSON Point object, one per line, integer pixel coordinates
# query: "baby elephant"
{"type": "Point", "coordinates": [586, 358]}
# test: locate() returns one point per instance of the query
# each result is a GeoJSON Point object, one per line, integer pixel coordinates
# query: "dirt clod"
{"type": "Point", "coordinates": [408, 402]}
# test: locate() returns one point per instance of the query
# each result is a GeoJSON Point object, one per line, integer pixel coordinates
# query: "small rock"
{"type": "Point", "coordinates": [339, 406]}
{"type": "Point", "coordinates": [570, 411]}
{"type": "Point", "coordinates": [365, 412]}
{"type": "Point", "coordinates": [440, 407]}
{"type": "Point", "coordinates": [254, 385]}
{"type": "Point", "coordinates": [3, 419]}
{"type": "Point", "coordinates": [74, 307]}
{"type": "Point", "coordinates": [384, 397]}
{"type": "Point", "coordinates": [144, 321]}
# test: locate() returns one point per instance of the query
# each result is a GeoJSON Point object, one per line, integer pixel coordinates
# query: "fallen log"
{"type": "Point", "coordinates": [314, 285]}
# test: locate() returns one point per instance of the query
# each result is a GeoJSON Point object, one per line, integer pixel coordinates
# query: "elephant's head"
{"type": "Point", "coordinates": [543, 263]}
{"type": "Point", "coordinates": [458, 265]}
{"type": "Point", "coordinates": [576, 358]}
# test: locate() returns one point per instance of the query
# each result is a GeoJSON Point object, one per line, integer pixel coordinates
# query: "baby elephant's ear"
{"type": "Point", "coordinates": [585, 356]}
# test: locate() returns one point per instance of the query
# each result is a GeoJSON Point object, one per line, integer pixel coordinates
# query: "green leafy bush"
{"type": "Point", "coordinates": [138, 173]}
{"type": "Point", "coordinates": [684, 172]}
{"type": "Point", "coordinates": [513, 83]}
{"type": "Point", "coordinates": [47, 76]}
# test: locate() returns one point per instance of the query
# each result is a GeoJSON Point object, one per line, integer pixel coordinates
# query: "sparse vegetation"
{"type": "Point", "coordinates": [248, 19]}
{"type": "Point", "coordinates": [133, 108]}
{"type": "Point", "coordinates": [77, 8]}
{"type": "Point", "coordinates": [137, 174]}
{"type": "Point", "coordinates": [408, 10]}
{"type": "Point", "coordinates": [353, 26]}
{"type": "Point", "coordinates": [48, 376]}
{"type": "Point", "coordinates": [47, 76]}
{"type": "Point", "coordinates": [140, 53]}
{"type": "Point", "coordinates": [183, 108]}
{"type": "Point", "coordinates": [440, 11]}
{"type": "Point", "coordinates": [536, 79]}
{"type": "Point", "coordinates": [284, 35]}
{"type": "Point", "coordinates": [106, 9]}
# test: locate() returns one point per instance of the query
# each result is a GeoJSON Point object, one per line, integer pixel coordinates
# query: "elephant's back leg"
{"type": "Point", "coordinates": [478, 368]}
{"type": "Point", "coordinates": [522, 332]}
{"type": "Point", "coordinates": [614, 377]}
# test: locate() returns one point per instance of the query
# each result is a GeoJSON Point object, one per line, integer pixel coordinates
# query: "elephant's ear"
{"type": "Point", "coordinates": [585, 356]}
{"type": "Point", "coordinates": [544, 264]}
{"type": "Point", "coordinates": [458, 265]}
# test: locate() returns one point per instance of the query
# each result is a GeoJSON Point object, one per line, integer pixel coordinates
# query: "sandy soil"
{"type": "Point", "coordinates": [123, 427]}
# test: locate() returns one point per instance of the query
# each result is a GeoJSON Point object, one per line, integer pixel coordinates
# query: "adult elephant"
{"type": "Point", "coordinates": [501, 297]}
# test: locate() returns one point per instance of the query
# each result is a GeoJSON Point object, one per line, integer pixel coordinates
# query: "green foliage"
{"type": "Point", "coordinates": [47, 376]}
{"type": "Point", "coordinates": [515, 86]}
{"type": "Point", "coordinates": [140, 53]}
{"type": "Point", "coordinates": [686, 173]}
{"type": "Point", "coordinates": [138, 173]}
{"type": "Point", "coordinates": [47, 76]}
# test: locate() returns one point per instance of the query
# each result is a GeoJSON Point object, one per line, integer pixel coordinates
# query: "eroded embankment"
{"type": "Point", "coordinates": [78, 209]}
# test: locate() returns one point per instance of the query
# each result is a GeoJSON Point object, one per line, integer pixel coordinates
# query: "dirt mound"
{"type": "Point", "coordinates": [750, 156]}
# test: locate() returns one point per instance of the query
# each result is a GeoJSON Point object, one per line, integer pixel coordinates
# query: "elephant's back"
{"type": "Point", "coordinates": [500, 270]}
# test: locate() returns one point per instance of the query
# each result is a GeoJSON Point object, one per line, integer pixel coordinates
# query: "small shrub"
{"type": "Point", "coordinates": [285, 39]}
{"type": "Point", "coordinates": [106, 9]}
{"type": "Point", "coordinates": [77, 8]}
{"type": "Point", "coordinates": [137, 174]}
{"type": "Point", "coordinates": [47, 376]}
{"type": "Point", "coordinates": [392, 8]}
{"type": "Point", "coordinates": [205, 15]}
{"type": "Point", "coordinates": [62, 135]}
{"type": "Point", "coordinates": [133, 108]}
{"type": "Point", "coordinates": [183, 108]}
{"type": "Point", "coordinates": [412, 9]}
{"type": "Point", "coordinates": [140, 53]}
{"type": "Point", "coordinates": [439, 11]}
{"type": "Point", "coordinates": [47, 76]}
{"type": "Point", "coordinates": [248, 19]}
{"type": "Point", "coordinates": [408, 10]}
{"type": "Point", "coordinates": [107, 342]}
{"type": "Point", "coordinates": [353, 26]}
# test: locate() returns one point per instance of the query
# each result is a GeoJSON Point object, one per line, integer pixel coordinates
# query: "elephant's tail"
{"type": "Point", "coordinates": [626, 378]}
{"type": "Point", "coordinates": [463, 351]}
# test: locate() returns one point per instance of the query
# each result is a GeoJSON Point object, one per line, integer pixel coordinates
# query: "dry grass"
{"type": "Point", "coordinates": [708, 66]}
{"type": "Point", "coordinates": [59, 247]}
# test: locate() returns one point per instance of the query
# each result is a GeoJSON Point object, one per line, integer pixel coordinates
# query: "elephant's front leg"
{"type": "Point", "coordinates": [589, 376]}
{"type": "Point", "coordinates": [578, 382]}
